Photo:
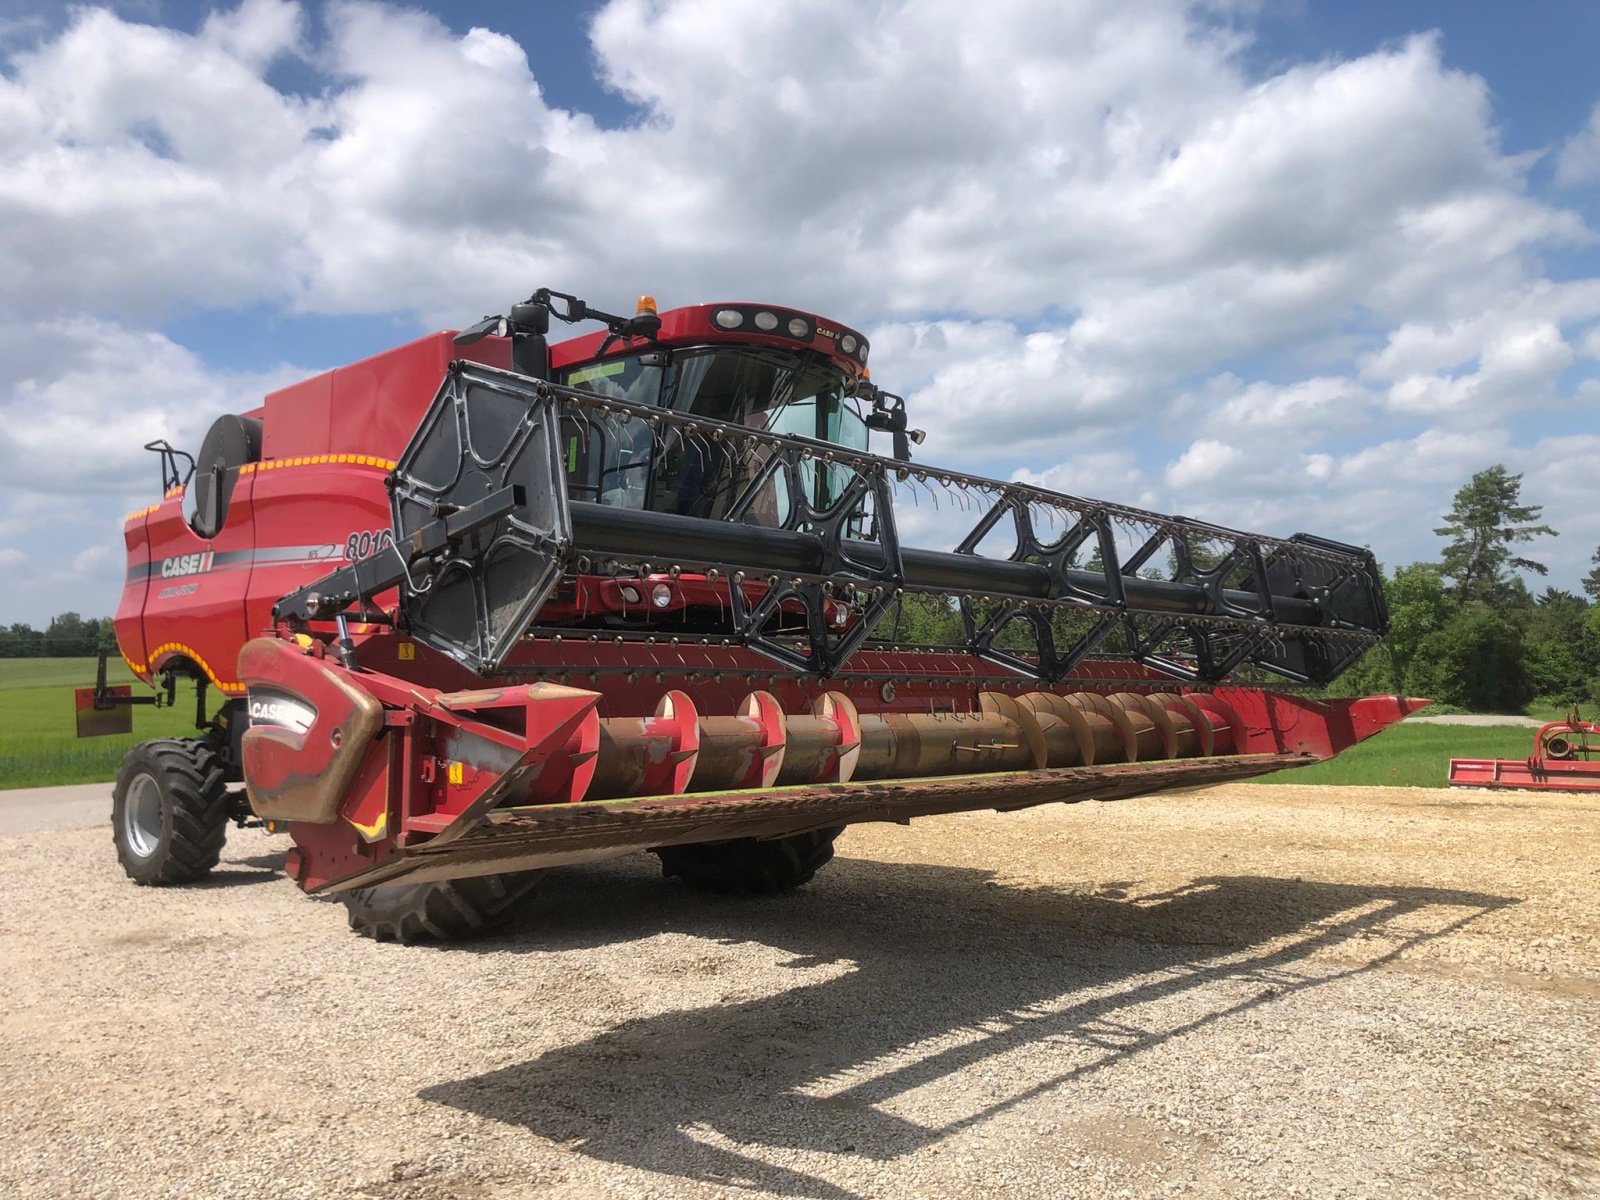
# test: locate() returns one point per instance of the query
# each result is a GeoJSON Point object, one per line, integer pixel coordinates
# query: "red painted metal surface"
{"type": "Point", "coordinates": [694, 325]}
{"type": "Point", "coordinates": [1546, 775]}
{"type": "Point", "coordinates": [310, 729]}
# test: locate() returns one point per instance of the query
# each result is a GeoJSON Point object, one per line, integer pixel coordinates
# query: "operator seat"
{"type": "Point", "coordinates": [231, 442]}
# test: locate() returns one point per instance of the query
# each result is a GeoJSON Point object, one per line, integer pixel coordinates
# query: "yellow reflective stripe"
{"type": "Point", "coordinates": [191, 652]}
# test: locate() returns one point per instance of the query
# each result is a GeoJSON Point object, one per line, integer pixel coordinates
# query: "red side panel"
{"type": "Point", "coordinates": [327, 445]}
{"type": "Point", "coordinates": [1268, 722]}
{"type": "Point", "coordinates": [491, 351]}
{"type": "Point", "coordinates": [194, 606]}
{"type": "Point", "coordinates": [377, 403]}
{"type": "Point", "coordinates": [371, 407]}
{"type": "Point", "coordinates": [129, 621]}
{"type": "Point", "coordinates": [295, 420]}
{"type": "Point", "coordinates": [311, 518]}
{"type": "Point", "coordinates": [310, 727]}
{"type": "Point", "coordinates": [1532, 775]}
{"type": "Point", "coordinates": [1276, 722]}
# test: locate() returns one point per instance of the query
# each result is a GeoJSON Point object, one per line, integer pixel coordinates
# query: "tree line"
{"type": "Point", "coordinates": [1465, 630]}
{"type": "Point", "coordinates": [1468, 631]}
{"type": "Point", "coordinates": [67, 636]}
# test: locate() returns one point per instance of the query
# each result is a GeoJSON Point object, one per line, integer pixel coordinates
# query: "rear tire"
{"type": "Point", "coordinates": [748, 866]}
{"type": "Point", "coordinates": [169, 812]}
{"type": "Point", "coordinates": [446, 911]}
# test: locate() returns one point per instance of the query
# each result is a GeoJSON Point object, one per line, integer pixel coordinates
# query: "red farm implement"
{"type": "Point", "coordinates": [1563, 760]}
{"type": "Point", "coordinates": [481, 605]}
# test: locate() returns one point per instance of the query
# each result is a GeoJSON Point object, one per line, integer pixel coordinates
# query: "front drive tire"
{"type": "Point", "coordinates": [169, 812]}
{"type": "Point", "coordinates": [747, 866]}
{"type": "Point", "coordinates": [447, 910]}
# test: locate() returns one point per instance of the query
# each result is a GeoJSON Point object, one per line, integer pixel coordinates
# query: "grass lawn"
{"type": "Point", "coordinates": [1558, 712]}
{"type": "Point", "coordinates": [1408, 755]}
{"type": "Point", "coordinates": [39, 746]}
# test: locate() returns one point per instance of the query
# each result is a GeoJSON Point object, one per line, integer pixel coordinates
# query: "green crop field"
{"type": "Point", "coordinates": [1413, 755]}
{"type": "Point", "coordinates": [38, 742]}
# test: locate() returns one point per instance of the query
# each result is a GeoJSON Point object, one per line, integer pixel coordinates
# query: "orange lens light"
{"type": "Point", "coordinates": [647, 304]}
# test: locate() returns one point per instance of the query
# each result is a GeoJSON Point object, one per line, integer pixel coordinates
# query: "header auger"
{"type": "Point", "coordinates": [484, 604]}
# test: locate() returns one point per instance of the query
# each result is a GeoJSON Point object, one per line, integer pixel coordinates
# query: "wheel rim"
{"type": "Point", "coordinates": [141, 815]}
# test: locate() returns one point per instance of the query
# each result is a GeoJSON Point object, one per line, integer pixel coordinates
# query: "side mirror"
{"type": "Point", "coordinates": [530, 317]}
{"type": "Point", "coordinates": [888, 415]}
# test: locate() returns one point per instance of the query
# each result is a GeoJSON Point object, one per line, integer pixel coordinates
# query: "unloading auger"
{"type": "Point", "coordinates": [647, 590]}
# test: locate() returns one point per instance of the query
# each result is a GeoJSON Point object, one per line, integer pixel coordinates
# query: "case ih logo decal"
{"type": "Point", "coordinates": [209, 562]}
{"type": "Point", "coordinates": [280, 710]}
{"type": "Point", "coordinates": [186, 564]}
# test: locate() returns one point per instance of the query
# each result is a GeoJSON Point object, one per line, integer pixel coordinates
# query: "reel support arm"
{"type": "Point", "coordinates": [360, 581]}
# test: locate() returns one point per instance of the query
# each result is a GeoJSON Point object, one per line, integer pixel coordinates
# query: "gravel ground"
{"type": "Point", "coordinates": [1287, 991]}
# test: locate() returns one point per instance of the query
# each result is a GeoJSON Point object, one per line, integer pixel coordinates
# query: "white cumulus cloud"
{"type": "Point", "coordinates": [1090, 242]}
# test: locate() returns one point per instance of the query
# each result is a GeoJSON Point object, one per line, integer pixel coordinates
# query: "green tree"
{"type": "Point", "coordinates": [1591, 645]}
{"type": "Point", "coordinates": [69, 635]}
{"type": "Point", "coordinates": [1558, 650]}
{"type": "Point", "coordinates": [1475, 661]}
{"type": "Point", "coordinates": [1591, 581]}
{"type": "Point", "coordinates": [1371, 675]}
{"type": "Point", "coordinates": [21, 641]}
{"type": "Point", "coordinates": [1487, 519]}
{"type": "Point", "coordinates": [922, 620]}
{"type": "Point", "coordinates": [1419, 606]}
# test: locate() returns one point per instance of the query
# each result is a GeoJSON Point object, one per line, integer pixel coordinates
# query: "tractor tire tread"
{"type": "Point", "coordinates": [445, 910]}
{"type": "Point", "coordinates": [192, 777]}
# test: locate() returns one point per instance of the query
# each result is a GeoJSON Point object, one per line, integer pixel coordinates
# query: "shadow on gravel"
{"type": "Point", "coordinates": [935, 971]}
{"type": "Point", "coordinates": [255, 868]}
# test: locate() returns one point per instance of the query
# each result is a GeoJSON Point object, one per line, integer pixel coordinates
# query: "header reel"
{"type": "Point", "coordinates": [485, 531]}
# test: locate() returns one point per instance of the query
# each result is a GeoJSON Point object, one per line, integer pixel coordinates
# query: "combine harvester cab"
{"type": "Point", "coordinates": [483, 605]}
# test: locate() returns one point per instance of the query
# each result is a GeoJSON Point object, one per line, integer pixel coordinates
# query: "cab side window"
{"type": "Point", "coordinates": [607, 458]}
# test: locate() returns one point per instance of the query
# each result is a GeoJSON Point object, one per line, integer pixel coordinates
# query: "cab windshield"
{"type": "Point", "coordinates": [761, 389]}
{"type": "Point", "coordinates": [792, 394]}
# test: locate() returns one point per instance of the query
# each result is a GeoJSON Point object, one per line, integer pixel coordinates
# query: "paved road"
{"type": "Point", "coordinates": [29, 810]}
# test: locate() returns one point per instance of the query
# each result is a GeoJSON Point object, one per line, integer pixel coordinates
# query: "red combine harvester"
{"type": "Point", "coordinates": [1563, 760]}
{"type": "Point", "coordinates": [481, 605]}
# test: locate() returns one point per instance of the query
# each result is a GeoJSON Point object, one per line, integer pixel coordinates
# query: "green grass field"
{"type": "Point", "coordinates": [1413, 755]}
{"type": "Point", "coordinates": [38, 743]}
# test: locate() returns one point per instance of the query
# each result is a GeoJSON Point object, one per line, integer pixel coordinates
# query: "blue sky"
{"type": "Point", "coordinates": [1283, 265]}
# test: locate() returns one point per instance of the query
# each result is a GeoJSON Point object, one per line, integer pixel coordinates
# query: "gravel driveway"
{"type": "Point", "coordinates": [1287, 991]}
